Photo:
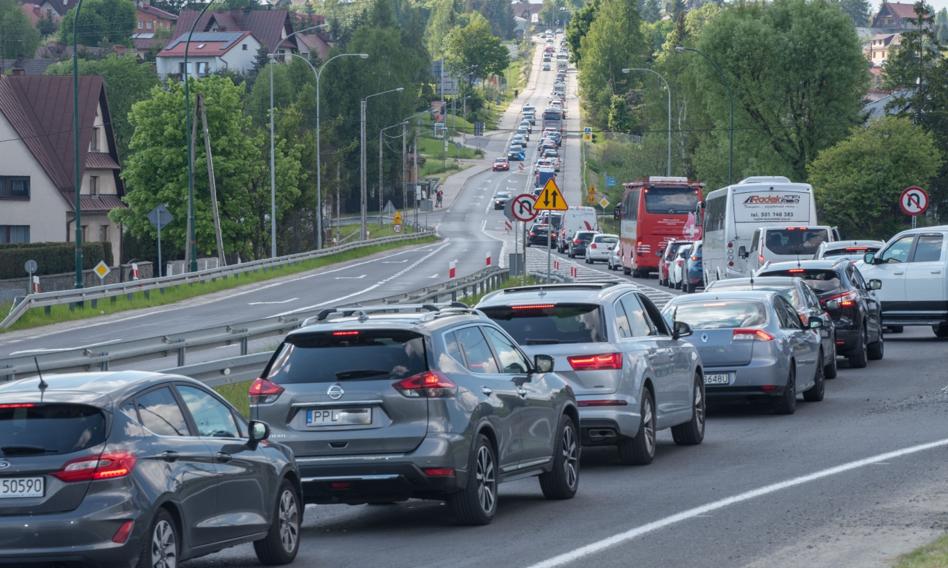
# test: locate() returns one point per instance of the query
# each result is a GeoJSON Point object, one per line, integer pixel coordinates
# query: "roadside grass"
{"type": "Point", "coordinates": [934, 555]}
{"type": "Point", "coordinates": [436, 169]}
{"type": "Point", "coordinates": [38, 317]}
{"type": "Point", "coordinates": [236, 394]}
{"type": "Point", "coordinates": [375, 231]}
{"type": "Point", "coordinates": [508, 283]}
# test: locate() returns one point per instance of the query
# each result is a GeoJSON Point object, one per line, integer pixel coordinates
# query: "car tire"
{"type": "Point", "coordinates": [876, 350]}
{"type": "Point", "coordinates": [691, 433]}
{"type": "Point", "coordinates": [941, 331]}
{"type": "Point", "coordinates": [818, 390]}
{"type": "Point", "coordinates": [626, 270]}
{"type": "Point", "coordinates": [563, 480]}
{"type": "Point", "coordinates": [588, 261]}
{"type": "Point", "coordinates": [640, 449]}
{"type": "Point", "coordinates": [685, 287]}
{"type": "Point", "coordinates": [282, 542]}
{"type": "Point", "coordinates": [787, 402]}
{"type": "Point", "coordinates": [859, 357]}
{"type": "Point", "coordinates": [476, 503]}
{"type": "Point", "coordinates": [160, 547]}
{"type": "Point", "coordinates": [830, 368]}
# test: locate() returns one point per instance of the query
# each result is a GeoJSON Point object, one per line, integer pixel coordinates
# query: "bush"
{"type": "Point", "coordinates": [52, 258]}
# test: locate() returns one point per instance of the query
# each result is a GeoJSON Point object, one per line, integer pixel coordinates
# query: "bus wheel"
{"type": "Point", "coordinates": [626, 270]}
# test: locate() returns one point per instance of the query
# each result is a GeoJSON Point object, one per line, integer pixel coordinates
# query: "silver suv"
{"type": "Point", "coordinates": [387, 403]}
{"type": "Point", "coordinates": [632, 373]}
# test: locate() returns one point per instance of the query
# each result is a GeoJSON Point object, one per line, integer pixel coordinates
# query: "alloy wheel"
{"type": "Point", "coordinates": [164, 553]}
{"type": "Point", "coordinates": [289, 519]}
{"type": "Point", "coordinates": [699, 408]}
{"type": "Point", "coordinates": [486, 480]}
{"type": "Point", "coordinates": [648, 422]}
{"type": "Point", "coordinates": [570, 455]}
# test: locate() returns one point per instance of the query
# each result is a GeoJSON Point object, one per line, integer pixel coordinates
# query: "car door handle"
{"type": "Point", "coordinates": [169, 455]}
{"type": "Point", "coordinates": [936, 271]}
{"type": "Point", "coordinates": [487, 391]}
{"type": "Point", "coordinates": [223, 457]}
{"type": "Point", "coordinates": [898, 273]}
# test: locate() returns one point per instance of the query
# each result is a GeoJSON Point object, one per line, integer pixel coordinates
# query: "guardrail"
{"type": "Point", "coordinates": [102, 357]}
{"type": "Point", "coordinates": [95, 293]}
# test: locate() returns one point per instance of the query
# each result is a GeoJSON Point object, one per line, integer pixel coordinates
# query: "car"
{"type": "Point", "coordinates": [849, 250]}
{"type": "Point", "coordinates": [782, 244]}
{"type": "Point", "coordinates": [666, 257]}
{"type": "Point", "coordinates": [393, 402]}
{"type": "Point", "coordinates": [801, 297]}
{"type": "Point", "coordinates": [615, 257]}
{"type": "Point", "coordinates": [515, 155]}
{"type": "Point", "coordinates": [753, 345]}
{"type": "Point", "coordinates": [546, 66]}
{"type": "Point", "coordinates": [601, 247]}
{"type": "Point", "coordinates": [676, 268]}
{"type": "Point", "coordinates": [538, 233]}
{"type": "Point", "coordinates": [611, 344]}
{"type": "Point", "coordinates": [850, 301]}
{"type": "Point", "coordinates": [578, 243]}
{"type": "Point", "coordinates": [693, 277]}
{"type": "Point", "coordinates": [133, 468]}
{"type": "Point", "coordinates": [501, 198]}
{"type": "Point", "coordinates": [519, 139]}
{"type": "Point", "coordinates": [501, 164]}
{"type": "Point", "coordinates": [526, 123]}
{"type": "Point", "coordinates": [524, 132]}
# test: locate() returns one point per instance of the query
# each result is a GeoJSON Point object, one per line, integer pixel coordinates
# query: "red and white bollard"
{"type": "Point", "coordinates": [507, 226]}
{"type": "Point", "coordinates": [573, 272]}
{"type": "Point", "coordinates": [36, 285]}
{"type": "Point", "coordinates": [556, 264]}
{"type": "Point", "coordinates": [135, 273]}
{"type": "Point", "coordinates": [452, 269]}
{"type": "Point", "coordinates": [487, 260]}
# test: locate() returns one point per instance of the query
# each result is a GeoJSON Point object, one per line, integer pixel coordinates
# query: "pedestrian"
{"type": "Point", "coordinates": [440, 197]}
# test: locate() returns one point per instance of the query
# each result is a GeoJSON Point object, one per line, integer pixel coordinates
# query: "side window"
{"type": "Point", "coordinates": [788, 316]}
{"type": "Point", "coordinates": [654, 317]}
{"type": "Point", "coordinates": [212, 417]}
{"type": "Point", "coordinates": [158, 411]}
{"type": "Point", "coordinates": [477, 353]}
{"type": "Point", "coordinates": [755, 241]}
{"type": "Point", "coordinates": [453, 349]}
{"type": "Point", "coordinates": [638, 322]}
{"type": "Point", "coordinates": [622, 321]}
{"type": "Point", "coordinates": [811, 298]}
{"type": "Point", "coordinates": [927, 248]}
{"type": "Point", "coordinates": [858, 279]}
{"type": "Point", "coordinates": [898, 251]}
{"type": "Point", "coordinates": [511, 359]}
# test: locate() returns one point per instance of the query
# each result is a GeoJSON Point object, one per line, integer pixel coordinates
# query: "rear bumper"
{"type": "Point", "coordinates": [596, 421]}
{"type": "Point", "coordinates": [757, 380]}
{"type": "Point", "coordinates": [846, 339]}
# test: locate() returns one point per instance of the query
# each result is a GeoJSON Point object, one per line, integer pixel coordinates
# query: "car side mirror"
{"type": "Point", "coordinates": [742, 252]}
{"type": "Point", "coordinates": [875, 284]}
{"type": "Point", "coordinates": [815, 323]}
{"type": "Point", "coordinates": [543, 363]}
{"type": "Point", "coordinates": [869, 258]}
{"type": "Point", "coordinates": [681, 329]}
{"type": "Point", "coordinates": [259, 431]}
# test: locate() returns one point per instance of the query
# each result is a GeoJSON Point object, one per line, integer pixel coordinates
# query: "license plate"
{"type": "Point", "coordinates": [339, 417]}
{"type": "Point", "coordinates": [22, 487]}
{"type": "Point", "coordinates": [717, 379]}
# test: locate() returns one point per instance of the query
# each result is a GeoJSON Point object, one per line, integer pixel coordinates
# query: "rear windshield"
{"type": "Point", "coordinates": [49, 429]}
{"type": "Point", "coordinates": [788, 292]}
{"type": "Point", "coordinates": [670, 200]}
{"type": "Point", "coordinates": [607, 240]}
{"type": "Point", "coordinates": [586, 236]}
{"type": "Point", "coordinates": [795, 241]}
{"type": "Point", "coordinates": [822, 281]}
{"type": "Point", "coordinates": [721, 314]}
{"type": "Point", "coordinates": [546, 324]}
{"type": "Point", "coordinates": [348, 355]}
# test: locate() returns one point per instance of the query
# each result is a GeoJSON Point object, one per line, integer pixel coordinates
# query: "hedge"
{"type": "Point", "coordinates": [52, 258]}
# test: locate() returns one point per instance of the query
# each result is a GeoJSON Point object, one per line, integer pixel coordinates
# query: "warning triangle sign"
{"type": "Point", "coordinates": [551, 199]}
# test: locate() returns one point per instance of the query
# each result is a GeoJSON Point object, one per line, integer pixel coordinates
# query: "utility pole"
{"type": "Point", "coordinates": [363, 198]}
{"type": "Point", "coordinates": [381, 205]}
{"type": "Point", "coordinates": [190, 253]}
{"type": "Point", "coordinates": [404, 165]}
{"type": "Point", "coordinates": [212, 183]}
{"type": "Point", "coordinates": [273, 206]}
{"type": "Point", "coordinates": [77, 165]}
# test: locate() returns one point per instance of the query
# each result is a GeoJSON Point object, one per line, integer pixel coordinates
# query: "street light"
{"type": "Point", "coordinates": [668, 165]}
{"type": "Point", "coordinates": [77, 170]}
{"type": "Point", "coordinates": [730, 96]}
{"type": "Point", "coordinates": [381, 144]}
{"type": "Point", "coordinates": [363, 194]}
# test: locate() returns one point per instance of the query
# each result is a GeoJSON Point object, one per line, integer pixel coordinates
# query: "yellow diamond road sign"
{"type": "Point", "coordinates": [397, 218]}
{"type": "Point", "coordinates": [551, 199]}
{"type": "Point", "coordinates": [604, 202]}
{"type": "Point", "coordinates": [102, 270]}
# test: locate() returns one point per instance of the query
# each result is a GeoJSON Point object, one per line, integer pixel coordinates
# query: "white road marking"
{"type": "Point", "coordinates": [435, 275]}
{"type": "Point", "coordinates": [359, 277]}
{"type": "Point", "coordinates": [395, 261]}
{"type": "Point", "coordinates": [583, 552]}
{"type": "Point", "coordinates": [58, 349]}
{"type": "Point", "coordinates": [287, 301]}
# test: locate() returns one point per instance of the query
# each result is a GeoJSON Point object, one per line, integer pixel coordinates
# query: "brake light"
{"type": "Point", "coordinates": [751, 335]}
{"type": "Point", "coordinates": [576, 241]}
{"type": "Point", "coordinates": [600, 362]}
{"type": "Point", "coordinates": [606, 402]}
{"type": "Point", "coordinates": [345, 333]}
{"type": "Point", "coordinates": [94, 468]}
{"type": "Point", "coordinates": [17, 405]}
{"type": "Point", "coordinates": [797, 270]}
{"type": "Point", "coordinates": [856, 249]}
{"type": "Point", "coordinates": [843, 300]}
{"type": "Point", "coordinates": [429, 384]}
{"type": "Point", "coordinates": [592, 246]}
{"type": "Point", "coordinates": [532, 307]}
{"type": "Point", "coordinates": [796, 228]}
{"type": "Point", "coordinates": [532, 234]}
{"type": "Point", "coordinates": [264, 391]}
{"type": "Point", "coordinates": [761, 259]}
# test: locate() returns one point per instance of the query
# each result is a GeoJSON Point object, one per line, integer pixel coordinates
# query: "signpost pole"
{"type": "Point", "coordinates": [549, 246]}
{"type": "Point", "coordinates": [159, 250]}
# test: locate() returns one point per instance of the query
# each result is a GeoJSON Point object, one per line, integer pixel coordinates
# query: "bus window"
{"type": "Point", "coordinates": [714, 213]}
{"type": "Point", "coordinates": [630, 207]}
{"type": "Point", "coordinates": [671, 200]}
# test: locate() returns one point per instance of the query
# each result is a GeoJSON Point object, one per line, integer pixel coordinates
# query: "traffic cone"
{"type": "Point", "coordinates": [452, 269]}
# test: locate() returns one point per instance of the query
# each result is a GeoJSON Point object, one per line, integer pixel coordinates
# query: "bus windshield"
{"type": "Point", "coordinates": [670, 200]}
{"type": "Point", "coordinates": [552, 114]}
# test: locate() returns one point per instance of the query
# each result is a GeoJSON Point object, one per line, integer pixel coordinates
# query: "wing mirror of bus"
{"type": "Point", "coordinates": [742, 252]}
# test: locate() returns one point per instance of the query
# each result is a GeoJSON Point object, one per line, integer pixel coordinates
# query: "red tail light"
{"type": "Point", "coordinates": [592, 246]}
{"type": "Point", "coordinates": [532, 234]}
{"type": "Point", "coordinates": [856, 249]}
{"type": "Point", "coordinates": [761, 259]}
{"type": "Point", "coordinates": [606, 402]}
{"type": "Point", "coordinates": [843, 300]}
{"type": "Point", "coordinates": [694, 259]}
{"type": "Point", "coordinates": [576, 241]}
{"type": "Point", "coordinates": [532, 307]}
{"type": "Point", "coordinates": [17, 405]}
{"type": "Point", "coordinates": [797, 270]}
{"type": "Point", "coordinates": [751, 335]}
{"type": "Point", "coordinates": [345, 333]}
{"type": "Point", "coordinates": [93, 468]}
{"type": "Point", "coordinates": [596, 362]}
{"type": "Point", "coordinates": [439, 471]}
{"type": "Point", "coordinates": [429, 384]}
{"type": "Point", "coordinates": [264, 391]}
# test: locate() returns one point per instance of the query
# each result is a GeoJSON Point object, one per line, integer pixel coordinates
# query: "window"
{"type": "Point", "coordinates": [202, 68]}
{"type": "Point", "coordinates": [898, 251]}
{"type": "Point", "coordinates": [211, 416]}
{"type": "Point", "coordinates": [94, 140]}
{"type": "Point", "coordinates": [452, 347]}
{"type": "Point", "coordinates": [796, 241]}
{"type": "Point", "coordinates": [927, 248]}
{"type": "Point", "coordinates": [10, 234]}
{"type": "Point", "coordinates": [654, 316]}
{"type": "Point", "coordinates": [755, 242]}
{"type": "Point", "coordinates": [511, 359]}
{"type": "Point", "coordinates": [670, 200]}
{"type": "Point", "coordinates": [93, 185]}
{"type": "Point", "coordinates": [638, 321]}
{"type": "Point", "coordinates": [622, 321]}
{"type": "Point", "coordinates": [789, 319]}
{"type": "Point", "coordinates": [630, 207]}
{"type": "Point", "coordinates": [476, 351]}
{"type": "Point", "coordinates": [85, 233]}
{"type": "Point", "coordinates": [158, 411]}
{"type": "Point", "coordinates": [104, 233]}
{"type": "Point", "coordinates": [148, 24]}
{"type": "Point", "coordinates": [715, 212]}
{"type": "Point", "coordinates": [54, 428]}
{"type": "Point", "coordinates": [719, 314]}
{"type": "Point", "coordinates": [549, 324]}
{"type": "Point", "coordinates": [14, 187]}
{"type": "Point", "coordinates": [139, 24]}
{"type": "Point", "coordinates": [244, 47]}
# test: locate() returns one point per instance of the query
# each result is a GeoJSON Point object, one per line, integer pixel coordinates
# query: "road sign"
{"type": "Point", "coordinates": [397, 228]}
{"type": "Point", "coordinates": [30, 266]}
{"type": "Point", "coordinates": [591, 194]}
{"type": "Point", "coordinates": [587, 134]}
{"type": "Point", "coordinates": [102, 270]}
{"type": "Point", "coordinates": [913, 201]}
{"type": "Point", "coordinates": [551, 199]}
{"type": "Point", "coordinates": [524, 208]}
{"type": "Point", "coordinates": [604, 202]}
{"type": "Point", "coordinates": [397, 217]}
{"type": "Point", "coordinates": [389, 208]}
{"type": "Point", "coordinates": [610, 181]}
{"type": "Point", "coordinates": [160, 216]}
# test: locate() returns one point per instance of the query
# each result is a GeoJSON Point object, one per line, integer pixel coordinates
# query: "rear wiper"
{"type": "Point", "coordinates": [25, 450]}
{"type": "Point", "coordinates": [362, 373]}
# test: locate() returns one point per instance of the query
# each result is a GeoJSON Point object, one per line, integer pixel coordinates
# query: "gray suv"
{"type": "Point", "coordinates": [632, 373]}
{"type": "Point", "coordinates": [386, 403]}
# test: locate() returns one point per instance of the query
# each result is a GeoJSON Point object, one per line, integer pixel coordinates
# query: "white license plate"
{"type": "Point", "coordinates": [338, 416]}
{"type": "Point", "coordinates": [22, 487]}
{"type": "Point", "coordinates": [717, 379]}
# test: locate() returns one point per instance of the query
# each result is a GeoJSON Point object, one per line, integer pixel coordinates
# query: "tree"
{"type": "Point", "coordinates": [941, 25]}
{"type": "Point", "coordinates": [18, 36]}
{"type": "Point", "coordinates": [127, 81]}
{"type": "Point", "coordinates": [47, 26]}
{"type": "Point", "coordinates": [650, 10]}
{"type": "Point", "coordinates": [857, 10]}
{"type": "Point", "coordinates": [443, 18]}
{"type": "Point", "coordinates": [173, 6]}
{"type": "Point", "coordinates": [474, 52]}
{"type": "Point", "coordinates": [578, 27]}
{"type": "Point", "coordinates": [858, 180]}
{"type": "Point", "coordinates": [498, 12]}
{"type": "Point", "coordinates": [101, 22]}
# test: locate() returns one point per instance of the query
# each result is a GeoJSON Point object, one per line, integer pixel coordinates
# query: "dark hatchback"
{"type": "Point", "coordinates": [848, 299]}
{"type": "Point", "coordinates": [577, 245]}
{"type": "Point", "coordinates": [138, 469]}
{"type": "Point", "coordinates": [539, 234]}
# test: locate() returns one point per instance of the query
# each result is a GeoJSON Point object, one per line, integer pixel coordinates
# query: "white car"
{"type": "Point", "coordinates": [615, 257]}
{"type": "Point", "coordinates": [676, 270]}
{"type": "Point", "coordinates": [600, 249]}
{"type": "Point", "coordinates": [850, 250]}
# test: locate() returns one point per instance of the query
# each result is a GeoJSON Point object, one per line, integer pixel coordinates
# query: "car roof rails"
{"type": "Point", "coordinates": [363, 312]}
{"type": "Point", "coordinates": [563, 286]}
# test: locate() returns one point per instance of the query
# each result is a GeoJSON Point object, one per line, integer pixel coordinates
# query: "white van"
{"type": "Point", "coordinates": [912, 274]}
{"type": "Point", "coordinates": [782, 243]}
{"type": "Point", "coordinates": [732, 214]}
{"type": "Point", "coordinates": [579, 218]}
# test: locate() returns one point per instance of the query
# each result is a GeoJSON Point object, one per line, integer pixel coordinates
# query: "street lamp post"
{"type": "Point", "coordinates": [77, 169]}
{"type": "Point", "coordinates": [668, 164]}
{"type": "Point", "coordinates": [381, 143]}
{"type": "Point", "coordinates": [363, 190]}
{"type": "Point", "coordinates": [730, 96]}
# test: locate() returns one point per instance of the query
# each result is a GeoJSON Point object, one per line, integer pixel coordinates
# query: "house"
{"type": "Point", "coordinates": [894, 17]}
{"type": "Point", "coordinates": [25, 66]}
{"type": "Point", "coordinates": [151, 19]}
{"type": "Point", "coordinates": [209, 52]}
{"type": "Point", "coordinates": [56, 9]}
{"type": "Point", "coordinates": [881, 47]}
{"type": "Point", "coordinates": [37, 188]}
{"type": "Point", "coordinates": [528, 10]}
{"type": "Point", "coordinates": [269, 27]}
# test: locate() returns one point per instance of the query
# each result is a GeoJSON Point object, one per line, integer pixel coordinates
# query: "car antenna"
{"type": "Point", "coordinates": [43, 385]}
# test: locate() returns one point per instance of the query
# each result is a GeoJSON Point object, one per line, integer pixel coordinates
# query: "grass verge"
{"type": "Point", "coordinates": [236, 394]}
{"type": "Point", "coordinates": [934, 555]}
{"type": "Point", "coordinates": [508, 283]}
{"type": "Point", "coordinates": [38, 317]}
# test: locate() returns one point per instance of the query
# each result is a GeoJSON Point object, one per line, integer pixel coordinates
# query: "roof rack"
{"type": "Point", "coordinates": [564, 286]}
{"type": "Point", "coordinates": [363, 312]}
